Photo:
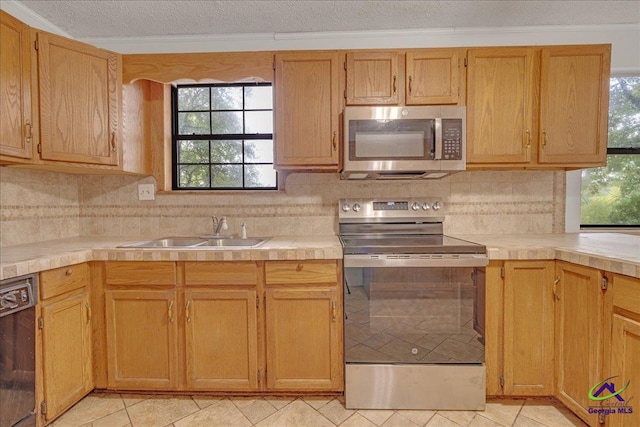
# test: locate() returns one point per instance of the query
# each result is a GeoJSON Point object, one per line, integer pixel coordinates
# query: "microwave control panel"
{"type": "Point", "coordinates": [452, 139]}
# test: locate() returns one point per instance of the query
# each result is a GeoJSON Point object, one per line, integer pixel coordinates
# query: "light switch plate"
{"type": "Point", "coordinates": [146, 192]}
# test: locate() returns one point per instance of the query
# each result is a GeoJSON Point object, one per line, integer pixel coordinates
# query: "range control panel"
{"type": "Point", "coordinates": [428, 209]}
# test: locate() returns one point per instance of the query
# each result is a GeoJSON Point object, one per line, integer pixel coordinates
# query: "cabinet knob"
{"type": "Point", "coordinates": [299, 267]}
{"type": "Point", "coordinates": [69, 272]}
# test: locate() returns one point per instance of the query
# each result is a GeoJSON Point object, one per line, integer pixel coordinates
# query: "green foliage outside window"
{"type": "Point", "coordinates": [223, 137]}
{"type": "Point", "coordinates": [611, 194]}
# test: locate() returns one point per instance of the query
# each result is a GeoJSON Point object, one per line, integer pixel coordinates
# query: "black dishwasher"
{"type": "Point", "coordinates": [18, 297]}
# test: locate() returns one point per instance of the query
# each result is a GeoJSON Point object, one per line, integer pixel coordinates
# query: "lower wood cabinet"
{"type": "Point", "coordinates": [65, 325]}
{"type": "Point", "coordinates": [519, 328]}
{"type": "Point", "coordinates": [142, 345]}
{"type": "Point", "coordinates": [224, 326]}
{"type": "Point", "coordinates": [528, 328]}
{"type": "Point", "coordinates": [304, 325]}
{"type": "Point", "coordinates": [304, 337]}
{"type": "Point", "coordinates": [221, 334]}
{"type": "Point", "coordinates": [579, 336]}
{"type": "Point", "coordinates": [622, 349]}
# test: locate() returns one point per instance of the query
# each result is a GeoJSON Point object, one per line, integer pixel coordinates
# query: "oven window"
{"type": "Point", "coordinates": [409, 139]}
{"type": "Point", "coordinates": [413, 315]}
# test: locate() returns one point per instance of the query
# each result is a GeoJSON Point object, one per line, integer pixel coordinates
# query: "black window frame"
{"type": "Point", "coordinates": [612, 151]}
{"type": "Point", "coordinates": [176, 138]}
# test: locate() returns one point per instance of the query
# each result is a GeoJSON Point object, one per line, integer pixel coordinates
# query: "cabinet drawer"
{"type": "Point", "coordinates": [301, 272]}
{"type": "Point", "coordinates": [626, 293]}
{"type": "Point", "coordinates": [140, 273]}
{"type": "Point", "coordinates": [220, 273]}
{"type": "Point", "coordinates": [62, 280]}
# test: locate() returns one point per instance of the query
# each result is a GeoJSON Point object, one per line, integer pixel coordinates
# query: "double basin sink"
{"type": "Point", "coordinates": [199, 242]}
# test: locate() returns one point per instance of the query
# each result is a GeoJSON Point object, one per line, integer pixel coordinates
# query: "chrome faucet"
{"type": "Point", "coordinates": [219, 224]}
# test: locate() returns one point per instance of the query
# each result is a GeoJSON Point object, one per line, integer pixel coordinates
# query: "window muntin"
{"type": "Point", "coordinates": [223, 137]}
{"type": "Point", "coordinates": [610, 195]}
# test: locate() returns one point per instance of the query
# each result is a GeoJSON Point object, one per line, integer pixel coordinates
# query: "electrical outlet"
{"type": "Point", "coordinates": [146, 192]}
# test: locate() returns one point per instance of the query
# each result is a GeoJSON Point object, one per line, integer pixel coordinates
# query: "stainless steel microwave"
{"type": "Point", "coordinates": [403, 142]}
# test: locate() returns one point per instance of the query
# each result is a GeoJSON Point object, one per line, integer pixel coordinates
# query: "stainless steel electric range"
{"type": "Point", "coordinates": [414, 308]}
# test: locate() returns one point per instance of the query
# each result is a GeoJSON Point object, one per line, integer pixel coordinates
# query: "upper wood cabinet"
{"type": "Point", "coordinates": [16, 122]}
{"type": "Point", "coordinates": [414, 77]}
{"type": "Point", "coordinates": [500, 104]}
{"type": "Point", "coordinates": [80, 88]}
{"type": "Point", "coordinates": [433, 76]}
{"type": "Point", "coordinates": [372, 78]}
{"type": "Point", "coordinates": [537, 107]}
{"type": "Point", "coordinates": [307, 110]}
{"type": "Point", "coordinates": [574, 104]}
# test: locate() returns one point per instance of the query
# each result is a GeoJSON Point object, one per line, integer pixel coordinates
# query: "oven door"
{"type": "Point", "coordinates": [424, 313]}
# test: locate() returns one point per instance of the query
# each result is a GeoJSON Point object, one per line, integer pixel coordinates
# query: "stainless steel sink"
{"type": "Point", "coordinates": [195, 242]}
{"type": "Point", "coordinates": [167, 242]}
{"type": "Point", "coordinates": [233, 242]}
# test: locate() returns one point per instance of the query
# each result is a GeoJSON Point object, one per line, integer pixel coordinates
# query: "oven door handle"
{"type": "Point", "coordinates": [394, 261]}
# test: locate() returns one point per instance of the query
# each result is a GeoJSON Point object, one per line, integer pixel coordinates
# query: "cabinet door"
{"type": "Point", "coordinates": [528, 328]}
{"type": "Point", "coordinates": [625, 360]}
{"type": "Point", "coordinates": [15, 88]}
{"type": "Point", "coordinates": [66, 350]}
{"type": "Point", "coordinates": [307, 90]}
{"type": "Point", "coordinates": [500, 105]}
{"type": "Point", "coordinates": [141, 339]}
{"type": "Point", "coordinates": [574, 104]}
{"type": "Point", "coordinates": [623, 348]}
{"type": "Point", "coordinates": [79, 94]}
{"type": "Point", "coordinates": [433, 76]}
{"type": "Point", "coordinates": [304, 338]}
{"type": "Point", "coordinates": [221, 340]}
{"type": "Point", "coordinates": [579, 335]}
{"type": "Point", "coordinates": [372, 78]}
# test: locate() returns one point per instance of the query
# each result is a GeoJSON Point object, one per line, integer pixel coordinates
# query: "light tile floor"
{"type": "Point", "coordinates": [135, 410]}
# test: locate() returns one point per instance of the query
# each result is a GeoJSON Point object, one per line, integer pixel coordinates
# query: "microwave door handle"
{"type": "Point", "coordinates": [438, 138]}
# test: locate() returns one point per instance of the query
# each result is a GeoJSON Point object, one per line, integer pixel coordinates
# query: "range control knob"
{"type": "Point", "coordinates": [436, 206]}
{"type": "Point", "coordinates": [346, 207]}
{"type": "Point", "coordinates": [425, 206]}
{"type": "Point", "coordinates": [356, 207]}
{"type": "Point", "coordinates": [415, 206]}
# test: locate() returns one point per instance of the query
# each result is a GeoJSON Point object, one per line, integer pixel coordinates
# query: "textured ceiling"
{"type": "Point", "coordinates": [138, 18]}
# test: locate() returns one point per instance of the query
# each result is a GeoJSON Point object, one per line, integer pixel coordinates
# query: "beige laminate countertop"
{"type": "Point", "coordinates": [614, 252]}
{"type": "Point", "coordinates": [32, 258]}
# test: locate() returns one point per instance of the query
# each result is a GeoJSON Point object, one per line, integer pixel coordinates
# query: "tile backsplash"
{"type": "Point", "coordinates": [38, 206]}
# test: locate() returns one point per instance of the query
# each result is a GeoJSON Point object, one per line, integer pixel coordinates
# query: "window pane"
{"type": "Point", "coordinates": [193, 124]}
{"type": "Point", "coordinates": [611, 194]}
{"type": "Point", "coordinates": [193, 98]}
{"type": "Point", "coordinates": [259, 176]}
{"type": "Point", "coordinates": [194, 176]}
{"type": "Point", "coordinates": [226, 176]}
{"type": "Point", "coordinates": [258, 98]}
{"type": "Point", "coordinates": [226, 151]}
{"type": "Point", "coordinates": [259, 122]}
{"type": "Point", "coordinates": [226, 98]}
{"type": "Point", "coordinates": [258, 151]}
{"type": "Point", "coordinates": [226, 122]}
{"type": "Point", "coordinates": [624, 112]}
{"type": "Point", "coordinates": [193, 152]}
